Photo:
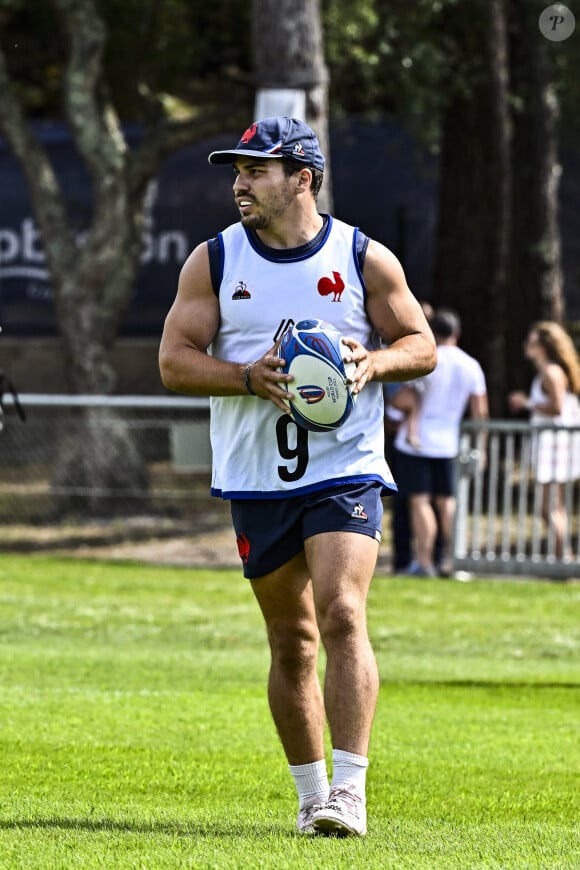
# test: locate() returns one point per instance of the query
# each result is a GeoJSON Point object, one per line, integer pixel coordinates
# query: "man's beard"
{"type": "Point", "coordinates": [255, 221]}
{"type": "Point", "coordinates": [276, 207]}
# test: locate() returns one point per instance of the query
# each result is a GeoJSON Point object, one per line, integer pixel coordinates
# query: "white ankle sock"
{"type": "Point", "coordinates": [311, 783]}
{"type": "Point", "coordinates": [349, 769]}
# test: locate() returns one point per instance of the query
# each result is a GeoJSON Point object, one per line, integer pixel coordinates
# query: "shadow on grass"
{"type": "Point", "coordinates": [207, 829]}
{"type": "Point", "coordinates": [481, 684]}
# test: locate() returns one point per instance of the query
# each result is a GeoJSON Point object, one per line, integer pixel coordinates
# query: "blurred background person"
{"type": "Point", "coordinates": [425, 471]}
{"type": "Point", "coordinates": [553, 398]}
{"type": "Point", "coordinates": [400, 522]}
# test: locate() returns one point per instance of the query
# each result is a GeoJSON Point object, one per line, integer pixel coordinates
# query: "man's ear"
{"type": "Point", "coordinates": [304, 179]}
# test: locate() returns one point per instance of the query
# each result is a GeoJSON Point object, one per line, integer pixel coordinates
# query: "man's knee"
{"type": "Point", "coordinates": [342, 617]}
{"type": "Point", "coordinates": [294, 645]}
{"type": "Point", "coordinates": [420, 500]}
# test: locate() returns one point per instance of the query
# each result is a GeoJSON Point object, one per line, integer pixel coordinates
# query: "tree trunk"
{"type": "Point", "coordinates": [99, 467]}
{"type": "Point", "coordinates": [289, 54]}
{"type": "Point", "coordinates": [497, 248]}
{"type": "Point", "coordinates": [470, 272]}
{"type": "Point", "coordinates": [93, 276]}
{"type": "Point", "coordinates": [536, 291]}
{"type": "Point", "coordinates": [500, 179]}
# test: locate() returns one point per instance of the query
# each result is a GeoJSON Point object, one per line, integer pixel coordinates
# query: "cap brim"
{"type": "Point", "coordinates": [217, 157]}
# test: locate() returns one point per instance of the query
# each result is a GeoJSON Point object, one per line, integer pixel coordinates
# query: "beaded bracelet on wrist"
{"type": "Point", "coordinates": [247, 384]}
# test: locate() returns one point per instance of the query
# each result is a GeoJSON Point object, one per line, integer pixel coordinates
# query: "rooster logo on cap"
{"type": "Point", "coordinates": [249, 134]}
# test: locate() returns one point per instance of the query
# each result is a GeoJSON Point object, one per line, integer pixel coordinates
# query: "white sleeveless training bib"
{"type": "Point", "coordinates": [259, 452]}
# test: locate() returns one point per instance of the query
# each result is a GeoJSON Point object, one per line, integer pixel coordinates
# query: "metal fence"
{"type": "Point", "coordinates": [500, 527]}
{"type": "Point", "coordinates": [84, 458]}
{"type": "Point", "coordinates": [148, 459]}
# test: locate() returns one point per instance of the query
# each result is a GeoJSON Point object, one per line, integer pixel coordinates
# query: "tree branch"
{"type": "Point", "coordinates": [168, 138]}
{"type": "Point", "coordinates": [96, 128]}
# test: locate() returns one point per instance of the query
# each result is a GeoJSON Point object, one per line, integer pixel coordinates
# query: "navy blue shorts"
{"type": "Point", "coordinates": [272, 531]}
{"type": "Point", "coordinates": [422, 474]}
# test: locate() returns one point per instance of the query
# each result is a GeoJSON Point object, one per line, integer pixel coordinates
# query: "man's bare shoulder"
{"type": "Point", "coordinates": [380, 260]}
{"type": "Point", "coordinates": [195, 276]}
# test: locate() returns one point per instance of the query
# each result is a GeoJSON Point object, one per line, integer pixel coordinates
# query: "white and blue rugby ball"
{"type": "Point", "coordinates": [313, 352]}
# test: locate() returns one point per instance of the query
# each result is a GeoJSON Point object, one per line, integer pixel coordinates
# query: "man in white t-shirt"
{"type": "Point", "coordinates": [427, 442]}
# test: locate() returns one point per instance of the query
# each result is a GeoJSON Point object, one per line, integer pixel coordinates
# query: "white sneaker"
{"type": "Point", "coordinates": [344, 815]}
{"type": "Point", "coordinates": [304, 821]}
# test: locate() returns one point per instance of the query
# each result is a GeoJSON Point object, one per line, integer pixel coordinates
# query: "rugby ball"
{"type": "Point", "coordinates": [313, 352]}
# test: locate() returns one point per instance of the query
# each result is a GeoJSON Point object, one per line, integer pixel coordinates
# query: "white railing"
{"type": "Point", "coordinates": [65, 400]}
{"type": "Point", "coordinates": [499, 527]}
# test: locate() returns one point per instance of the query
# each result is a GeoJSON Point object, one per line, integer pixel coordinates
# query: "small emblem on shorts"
{"type": "Point", "coordinates": [243, 548]}
{"type": "Point", "coordinates": [359, 512]}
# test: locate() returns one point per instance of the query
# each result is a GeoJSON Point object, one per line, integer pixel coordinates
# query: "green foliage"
{"type": "Point", "coordinates": [154, 47]}
{"type": "Point", "coordinates": [392, 57]}
{"type": "Point", "coordinates": [174, 46]}
{"type": "Point", "coordinates": [384, 56]}
{"type": "Point", "coordinates": [136, 731]}
{"type": "Point", "coordinates": [409, 59]}
{"type": "Point", "coordinates": [34, 43]}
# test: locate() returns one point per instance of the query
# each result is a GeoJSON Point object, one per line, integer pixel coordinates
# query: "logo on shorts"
{"type": "Point", "coordinates": [243, 548]}
{"type": "Point", "coordinates": [359, 512]}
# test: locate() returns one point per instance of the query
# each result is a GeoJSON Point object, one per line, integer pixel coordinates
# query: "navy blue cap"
{"type": "Point", "coordinates": [276, 137]}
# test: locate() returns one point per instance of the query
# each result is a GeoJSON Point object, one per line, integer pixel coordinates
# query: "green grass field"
{"type": "Point", "coordinates": [135, 731]}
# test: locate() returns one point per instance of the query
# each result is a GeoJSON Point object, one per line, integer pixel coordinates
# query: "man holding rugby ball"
{"type": "Point", "coordinates": [306, 506]}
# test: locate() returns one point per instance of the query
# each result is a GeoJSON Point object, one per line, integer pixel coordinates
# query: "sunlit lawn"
{"type": "Point", "coordinates": [135, 728]}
